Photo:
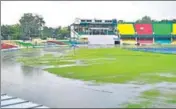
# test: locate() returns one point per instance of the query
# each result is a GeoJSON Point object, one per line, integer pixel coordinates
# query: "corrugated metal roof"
{"type": "Point", "coordinates": [15, 102]}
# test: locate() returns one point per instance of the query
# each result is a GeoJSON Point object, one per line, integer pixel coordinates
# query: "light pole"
{"type": "Point", "coordinates": [74, 44]}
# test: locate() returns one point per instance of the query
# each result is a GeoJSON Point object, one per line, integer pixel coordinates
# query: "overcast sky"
{"type": "Point", "coordinates": [63, 13]}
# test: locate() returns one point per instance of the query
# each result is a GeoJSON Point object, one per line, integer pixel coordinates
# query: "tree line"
{"type": "Point", "coordinates": [33, 26]}
{"type": "Point", "coordinates": [148, 19]}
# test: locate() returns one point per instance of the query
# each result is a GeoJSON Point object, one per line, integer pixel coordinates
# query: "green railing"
{"type": "Point", "coordinates": [25, 44]}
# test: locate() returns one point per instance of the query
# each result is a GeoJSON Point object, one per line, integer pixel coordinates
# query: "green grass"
{"type": "Point", "coordinates": [135, 105]}
{"type": "Point", "coordinates": [151, 97]}
{"type": "Point", "coordinates": [172, 101]}
{"type": "Point", "coordinates": [113, 65]}
{"type": "Point", "coordinates": [151, 93]}
{"type": "Point", "coordinates": [171, 97]}
{"type": "Point", "coordinates": [146, 99]}
{"type": "Point", "coordinates": [143, 104]}
{"type": "Point", "coordinates": [127, 66]}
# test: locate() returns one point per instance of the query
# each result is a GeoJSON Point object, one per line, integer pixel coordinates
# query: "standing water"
{"type": "Point", "coordinates": [45, 88]}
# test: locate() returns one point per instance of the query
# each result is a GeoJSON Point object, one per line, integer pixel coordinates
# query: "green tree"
{"type": "Point", "coordinates": [8, 31]}
{"type": "Point", "coordinates": [121, 21]}
{"type": "Point", "coordinates": [31, 25]}
{"type": "Point", "coordinates": [145, 19]}
{"type": "Point", "coordinates": [5, 32]}
{"type": "Point", "coordinates": [16, 31]}
{"type": "Point", "coordinates": [174, 20]}
{"type": "Point", "coordinates": [2, 38]}
{"type": "Point", "coordinates": [47, 31]}
{"type": "Point", "coordinates": [64, 32]}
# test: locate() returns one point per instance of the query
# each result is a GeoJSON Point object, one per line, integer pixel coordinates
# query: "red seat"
{"type": "Point", "coordinates": [57, 42]}
{"type": "Point", "coordinates": [7, 46]}
{"type": "Point", "coordinates": [145, 41]}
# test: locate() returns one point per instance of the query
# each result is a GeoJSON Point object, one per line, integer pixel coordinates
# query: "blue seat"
{"type": "Point", "coordinates": [163, 41]}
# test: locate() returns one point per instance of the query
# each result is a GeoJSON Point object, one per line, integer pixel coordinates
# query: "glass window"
{"type": "Point", "coordinates": [98, 20]}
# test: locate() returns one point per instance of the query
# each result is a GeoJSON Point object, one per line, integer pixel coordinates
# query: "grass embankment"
{"type": "Point", "coordinates": [114, 65]}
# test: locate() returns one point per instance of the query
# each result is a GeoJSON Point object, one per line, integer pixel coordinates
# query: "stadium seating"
{"type": "Point", "coordinates": [126, 29]}
{"type": "Point", "coordinates": [38, 41]}
{"type": "Point", "coordinates": [161, 32]}
{"type": "Point", "coordinates": [10, 42]}
{"type": "Point", "coordinates": [127, 33]}
{"type": "Point", "coordinates": [24, 44]}
{"type": "Point", "coordinates": [162, 28]}
{"type": "Point", "coordinates": [128, 41]}
{"type": "Point", "coordinates": [174, 29]}
{"type": "Point", "coordinates": [174, 41]}
{"type": "Point", "coordinates": [158, 41]}
{"type": "Point", "coordinates": [65, 41]}
{"type": "Point", "coordinates": [143, 29]}
{"type": "Point", "coordinates": [7, 46]}
{"type": "Point", "coordinates": [56, 42]}
{"type": "Point", "coordinates": [145, 41]}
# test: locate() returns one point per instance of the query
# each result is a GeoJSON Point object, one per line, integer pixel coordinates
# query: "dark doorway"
{"type": "Point", "coordinates": [117, 42]}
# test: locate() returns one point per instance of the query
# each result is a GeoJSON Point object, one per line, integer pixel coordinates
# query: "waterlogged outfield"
{"type": "Point", "coordinates": [47, 59]}
{"type": "Point", "coordinates": [114, 65]}
{"type": "Point", "coordinates": [119, 65]}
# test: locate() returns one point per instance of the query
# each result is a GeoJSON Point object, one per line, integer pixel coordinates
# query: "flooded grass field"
{"type": "Point", "coordinates": [100, 78]}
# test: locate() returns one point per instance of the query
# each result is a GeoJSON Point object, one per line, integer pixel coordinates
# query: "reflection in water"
{"type": "Point", "coordinates": [30, 71]}
{"type": "Point", "coordinates": [41, 87]}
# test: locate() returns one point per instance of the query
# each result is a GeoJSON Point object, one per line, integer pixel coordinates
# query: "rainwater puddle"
{"type": "Point", "coordinates": [166, 75]}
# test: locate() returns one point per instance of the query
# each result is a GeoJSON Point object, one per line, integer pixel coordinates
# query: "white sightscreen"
{"type": "Point", "coordinates": [101, 39]}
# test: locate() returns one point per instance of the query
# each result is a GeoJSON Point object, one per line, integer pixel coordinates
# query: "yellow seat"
{"type": "Point", "coordinates": [126, 29]}
{"type": "Point", "coordinates": [129, 41]}
{"type": "Point", "coordinates": [174, 42]}
{"type": "Point", "coordinates": [174, 29]}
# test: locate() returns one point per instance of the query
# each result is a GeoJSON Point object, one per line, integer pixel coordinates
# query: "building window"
{"type": "Point", "coordinates": [108, 21]}
{"type": "Point", "coordinates": [89, 21]}
{"type": "Point", "coordinates": [98, 20]}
